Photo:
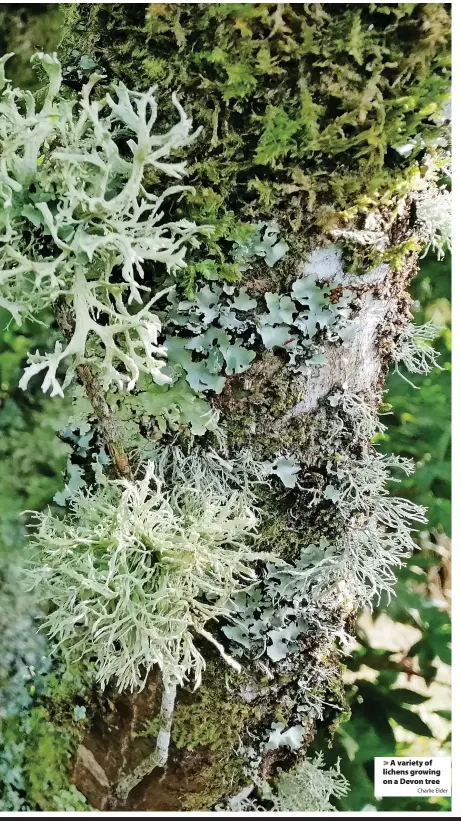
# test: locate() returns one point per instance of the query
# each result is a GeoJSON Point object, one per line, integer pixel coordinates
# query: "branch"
{"type": "Point", "coordinates": [95, 394]}
{"type": "Point", "coordinates": [160, 755]}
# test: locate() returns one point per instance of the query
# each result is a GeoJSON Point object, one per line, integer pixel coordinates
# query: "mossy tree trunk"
{"type": "Point", "coordinates": [304, 108]}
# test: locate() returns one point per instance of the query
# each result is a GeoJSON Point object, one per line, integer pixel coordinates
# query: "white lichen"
{"type": "Point", "coordinates": [137, 570]}
{"type": "Point", "coordinates": [377, 533]}
{"type": "Point", "coordinates": [363, 419]}
{"type": "Point", "coordinates": [414, 349]}
{"type": "Point", "coordinates": [307, 787]}
{"type": "Point", "coordinates": [434, 214]}
{"type": "Point", "coordinates": [79, 226]}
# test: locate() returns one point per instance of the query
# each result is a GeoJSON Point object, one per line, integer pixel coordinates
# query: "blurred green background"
{"type": "Point", "coordinates": [398, 672]}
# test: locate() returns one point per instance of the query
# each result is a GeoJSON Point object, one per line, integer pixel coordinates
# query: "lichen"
{"type": "Point", "coordinates": [305, 111]}
{"type": "Point", "coordinates": [140, 568]}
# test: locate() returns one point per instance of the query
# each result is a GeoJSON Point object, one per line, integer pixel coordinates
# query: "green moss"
{"type": "Point", "coordinates": [40, 741]}
{"type": "Point", "coordinates": [217, 780]}
{"type": "Point", "coordinates": [212, 718]}
{"type": "Point", "coordinates": [210, 722]}
{"type": "Point", "coordinates": [301, 105]}
{"type": "Point", "coordinates": [335, 693]}
{"type": "Point", "coordinates": [254, 402]}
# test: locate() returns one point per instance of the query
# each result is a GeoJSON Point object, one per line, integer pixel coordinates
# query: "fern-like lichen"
{"type": "Point", "coordinates": [415, 351]}
{"type": "Point", "coordinates": [79, 225]}
{"type": "Point", "coordinates": [307, 787]}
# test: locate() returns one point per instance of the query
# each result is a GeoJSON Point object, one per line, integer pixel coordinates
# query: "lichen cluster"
{"type": "Point", "coordinates": [137, 569]}
{"type": "Point", "coordinates": [64, 178]}
{"type": "Point", "coordinates": [174, 301]}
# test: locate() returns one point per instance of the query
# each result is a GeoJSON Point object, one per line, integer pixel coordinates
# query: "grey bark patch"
{"type": "Point", "coordinates": [326, 264]}
{"type": "Point", "coordinates": [355, 364]}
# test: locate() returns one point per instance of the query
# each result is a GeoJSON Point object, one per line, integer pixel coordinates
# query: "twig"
{"type": "Point", "coordinates": [95, 394]}
{"type": "Point", "coordinates": [160, 755]}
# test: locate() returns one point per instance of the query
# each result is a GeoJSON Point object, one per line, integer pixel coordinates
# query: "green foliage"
{"type": "Point", "coordinates": [38, 756]}
{"type": "Point", "coordinates": [380, 707]}
{"type": "Point", "coordinates": [32, 456]}
{"type": "Point", "coordinates": [305, 109]}
{"type": "Point", "coordinates": [37, 728]}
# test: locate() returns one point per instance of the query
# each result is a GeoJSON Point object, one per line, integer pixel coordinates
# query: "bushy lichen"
{"type": "Point", "coordinates": [141, 567]}
{"type": "Point", "coordinates": [308, 113]}
{"type": "Point", "coordinates": [76, 214]}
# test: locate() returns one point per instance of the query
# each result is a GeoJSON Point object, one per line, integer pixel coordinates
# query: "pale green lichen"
{"type": "Point", "coordinates": [434, 214]}
{"type": "Point", "coordinates": [308, 787]}
{"type": "Point", "coordinates": [138, 569]}
{"type": "Point", "coordinates": [75, 210]}
{"type": "Point", "coordinates": [219, 329]}
{"type": "Point", "coordinates": [414, 350]}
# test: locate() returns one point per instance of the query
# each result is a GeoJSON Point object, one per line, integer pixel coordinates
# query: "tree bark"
{"type": "Point", "coordinates": [315, 195]}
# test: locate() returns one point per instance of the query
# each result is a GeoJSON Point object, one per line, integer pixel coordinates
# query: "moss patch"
{"type": "Point", "coordinates": [301, 105]}
{"type": "Point", "coordinates": [42, 740]}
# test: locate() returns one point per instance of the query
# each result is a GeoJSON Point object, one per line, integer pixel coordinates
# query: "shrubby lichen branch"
{"type": "Point", "coordinates": [138, 569]}
{"type": "Point", "coordinates": [79, 224]}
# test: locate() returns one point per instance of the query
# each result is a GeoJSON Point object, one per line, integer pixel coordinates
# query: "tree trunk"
{"type": "Point", "coordinates": [304, 108]}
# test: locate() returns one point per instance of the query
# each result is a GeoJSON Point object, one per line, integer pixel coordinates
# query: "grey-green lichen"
{"type": "Point", "coordinates": [306, 126]}
{"type": "Point", "coordinates": [137, 570]}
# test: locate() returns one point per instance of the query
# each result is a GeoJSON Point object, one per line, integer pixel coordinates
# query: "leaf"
{"type": "Point", "coordinates": [404, 696]}
{"type": "Point", "coordinates": [279, 737]}
{"type": "Point", "coordinates": [410, 721]}
{"type": "Point", "coordinates": [444, 653]}
{"type": "Point", "coordinates": [276, 336]}
{"type": "Point", "coordinates": [281, 309]}
{"type": "Point", "coordinates": [33, 215]}
{"type": "Point", "coordinates": [238, 634]}
{"type": "Point", "coordinates": [243, 302]}
{"type": "Point", "coordinates": [281, 639]}
{"type": "Point", "coordinates": [286, 469]}
{"type": "Point", "coordinates": [446, 714]}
